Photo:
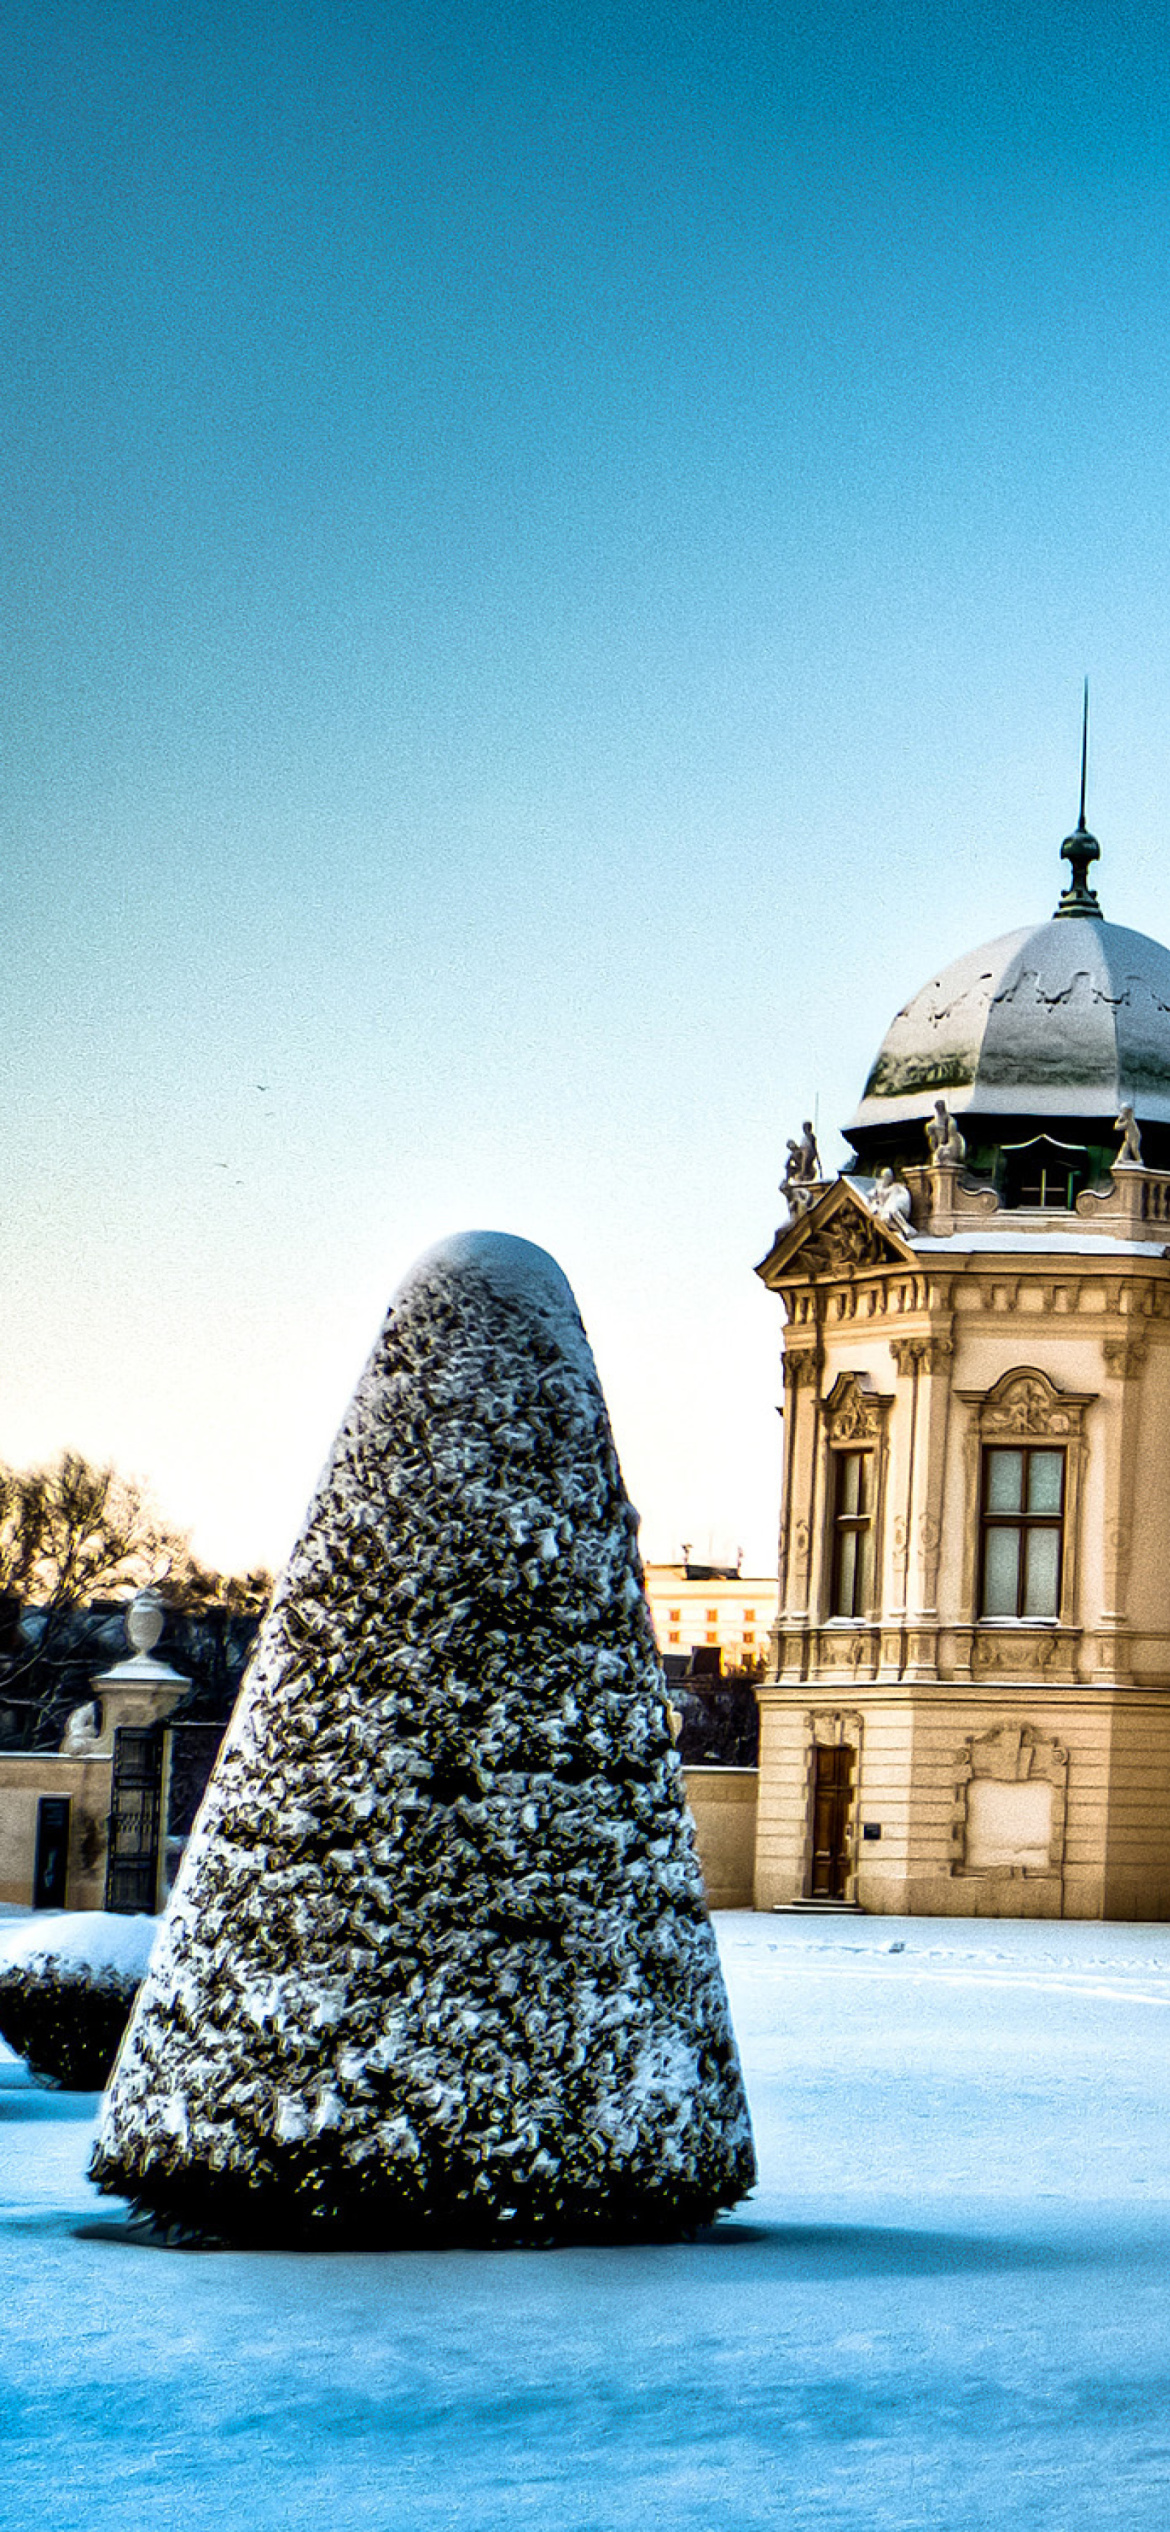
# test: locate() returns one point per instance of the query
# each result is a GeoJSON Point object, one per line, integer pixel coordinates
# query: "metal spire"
{"type": "Point", "coordinates": [1084, 752]}
{"type": "Point", "coordinates": [1080, 848]}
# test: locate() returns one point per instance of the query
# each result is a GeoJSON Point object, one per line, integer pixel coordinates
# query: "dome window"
{"type": "Point", "coordinates": [1045, 1175]}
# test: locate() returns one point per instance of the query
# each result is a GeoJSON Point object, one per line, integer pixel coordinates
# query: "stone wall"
{"type": "Point", "coordinates": [85, 1783]}
{"type": "Point", "coordinates": [722, 1804]}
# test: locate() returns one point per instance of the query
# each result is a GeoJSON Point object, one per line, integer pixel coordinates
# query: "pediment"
{"type": "Point", "coordinates": [838, 1235]}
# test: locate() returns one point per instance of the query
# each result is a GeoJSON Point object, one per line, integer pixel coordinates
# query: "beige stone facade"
{"type": "Point", "coordinates": [26, 1781]}
{"type": "Point", "coordinates": [924, 1748]}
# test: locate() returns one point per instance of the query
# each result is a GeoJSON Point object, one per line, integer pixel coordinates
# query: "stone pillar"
{"type": "Point", "coordinates": [141, 1690]}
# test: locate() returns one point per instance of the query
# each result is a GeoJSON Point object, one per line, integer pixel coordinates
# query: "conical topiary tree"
{"type": "Point", "coordinates": [437, 1966]}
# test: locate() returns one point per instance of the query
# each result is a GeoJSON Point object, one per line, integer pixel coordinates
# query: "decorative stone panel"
{"type": "Point", "coordinates": [855, 1413]}
{"type": "Point", "coordinates": [1010, 1804]}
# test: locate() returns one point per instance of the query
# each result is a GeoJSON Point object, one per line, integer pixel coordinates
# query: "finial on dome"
{"type": "Point", "coordinates": [1080, 848]}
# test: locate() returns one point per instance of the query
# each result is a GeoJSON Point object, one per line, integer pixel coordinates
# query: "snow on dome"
{"type": "Point", "coordinates": [437, 1966]}
{"type": "Point", "coordinates": [1061, 1019]}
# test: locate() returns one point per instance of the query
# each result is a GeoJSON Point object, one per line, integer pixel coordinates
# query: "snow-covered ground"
{"type": "Point", "coordinates": [948, 2304]}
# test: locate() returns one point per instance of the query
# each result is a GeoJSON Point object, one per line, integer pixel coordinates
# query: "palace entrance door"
{"type": "Point", "coordinates": [832, 1795]}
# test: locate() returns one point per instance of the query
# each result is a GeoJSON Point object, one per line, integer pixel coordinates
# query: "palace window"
{"type": "Point", "coordinates": [851, 1593]}
{"type": "Point", "coordinates": [1021, 1532]}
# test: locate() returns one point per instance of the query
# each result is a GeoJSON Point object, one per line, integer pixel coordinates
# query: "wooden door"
{"type": "Point", "coordinates": [832, 1795]}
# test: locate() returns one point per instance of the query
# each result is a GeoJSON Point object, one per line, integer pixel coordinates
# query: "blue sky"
{"type": "Point", "coordinates": [548, 561]}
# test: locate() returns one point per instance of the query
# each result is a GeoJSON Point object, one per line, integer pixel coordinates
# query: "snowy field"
{"type": "Point", "coordinates": [948, 2304]}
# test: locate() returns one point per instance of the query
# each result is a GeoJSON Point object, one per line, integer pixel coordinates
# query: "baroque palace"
{"type": "Point", "coordinates": [967, 1710]}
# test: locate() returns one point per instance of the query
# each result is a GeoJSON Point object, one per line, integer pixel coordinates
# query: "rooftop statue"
{"type": "Point", "coordinates": [890, 1201]}
{"type": "Point", "coordinates": [947, 1147]}
{"type": "Point", "coordinates": [1126, 1125]}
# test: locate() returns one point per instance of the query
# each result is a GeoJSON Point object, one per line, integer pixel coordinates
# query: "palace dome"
{"type": "Point", "coordinates": [1035, 1043]}
{"type": "Point", "coordinates": [1064, 1019]}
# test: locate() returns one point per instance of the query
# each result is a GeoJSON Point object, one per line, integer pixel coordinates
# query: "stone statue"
{"type": "Point", "coordinates": [81, 1733]}
{"type": "Point", "coordinates": [798, 1181]}
{"type": "Point", "coordinates": [890, 1201]}
{"type": "Point", "coordinates": [947, 1147]}
{"type": "Point", "coordinates": [809, 1155]}
{"type": "Point", "coordinates": [1126, 1124]}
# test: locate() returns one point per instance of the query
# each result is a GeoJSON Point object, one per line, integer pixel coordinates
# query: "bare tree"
{"type": "Point", "coordinates": [72, 1535]}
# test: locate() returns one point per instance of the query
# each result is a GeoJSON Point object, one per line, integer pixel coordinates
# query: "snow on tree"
{"type": "Point", "coordinates": [437, 1967]}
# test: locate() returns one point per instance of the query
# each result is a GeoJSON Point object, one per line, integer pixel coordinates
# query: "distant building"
{"type": "Point", "coordinates": [711, 1618]}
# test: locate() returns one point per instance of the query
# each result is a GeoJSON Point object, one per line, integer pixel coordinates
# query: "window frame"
{"type": "Point", "coordinates": [1023, 1523]}
{"type": "Point", "coordinates": [1026, 1405]}
{"type": "Point", "coordinates": [854, 1417]}
{"type": "Point", "coordinates": [860, 1526]}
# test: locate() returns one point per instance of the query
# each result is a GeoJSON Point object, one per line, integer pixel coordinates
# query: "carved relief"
{"type": "Point", "coordinates": [828, 1727]}
{"type": "Point", "coordinates": [800, 1366]}
{"type": "Point", "coordinates": [930, 1353]}
{"type": "Point", "coordinates": [1125, 1355]}
{"type": "Point", "coordinates": [854, 1410]}
{"type": "Point", "coordinates": [1027, 1402]}
{"type": "Point", "coordinates": [1010, 1803]}
{"type": "Point", "coordinates": [835, 1235]}
{"type": "Point", "coordinates": [1008, 1655]}
{"type": "Point", "coordinates": [849, 1241]}
{"type": "Point", "coordinates": [930, 1545]}
{"type": "Point", "coordinates": [841, 1651]}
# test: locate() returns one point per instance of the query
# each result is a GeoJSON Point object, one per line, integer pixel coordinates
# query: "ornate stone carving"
{"type": "Point", "coordinates": [1125, 1355]}
{"type": "Point", "coordinates": [828, 1727]}
{"type": "Point", "coordinates": [1010, 1803]}
{"type": "Point", "coordinates": [848, 1241]}
{"type": "Point", "coordinates": [800, 1367]}
{"type": "Point", "coordinates": [844, 1649]}
{"type": "Point", "coordinates": [928, 1352]}
{"type": "Point", "coordinates": [1025, 1408]}
{"type": "Point", "coordinates": [1010, 1654]}
{"type": "Point", "coordinates": [854, 1410]}
{"type": "Point", "coordinates": [1027, 1403]}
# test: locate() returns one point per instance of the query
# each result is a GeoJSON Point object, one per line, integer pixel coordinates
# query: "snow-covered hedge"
{"type": "Point", "coordinates": [437, 1966]}
{"type": "Point", "coordinates": [67, 1990]}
